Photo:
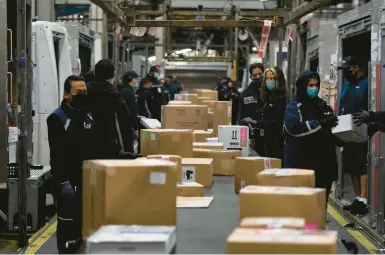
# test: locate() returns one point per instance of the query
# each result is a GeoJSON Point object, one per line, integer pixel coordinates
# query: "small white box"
{"type": "Point", "coordinates": [133, 239]}
{"type": "Point", "coordinates": [347, 131]}
{"type": "Point", "coordinates": [234, 138]}
{"type": "Point", "coordinates": [212, 140]}
{"type": "Point", "coordinates": [150, 123]}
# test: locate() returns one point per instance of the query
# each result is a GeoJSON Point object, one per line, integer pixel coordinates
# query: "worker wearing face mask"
{"type": "Point", "coordinates": [112, 119]}
{"type": "Point", "coordinates": [70, 141]}
{"type": "Point", "coordinates": [251, 105]}
{"type": "Point", "coordinates": [308, 121]}
{"type": "Point", "coordinates": [274, 102]}
{"type": "Point", "coordinates": [354, 97]}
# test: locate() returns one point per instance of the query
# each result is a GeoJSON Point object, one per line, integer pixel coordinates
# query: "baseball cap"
{"type": "Point", "coordinates": [127, 77]}
{"type": "Point", "coordinates": [348, 61]}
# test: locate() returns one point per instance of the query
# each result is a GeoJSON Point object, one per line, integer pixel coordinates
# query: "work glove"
{"type": "Point", "coordinates": [329, 122]}
{"type": "Point", "coordinates": [247, 121]}
{"type": "Point", "coordinates": [66, 189]}
{"type": "Point", "coordinates": [361, 117]}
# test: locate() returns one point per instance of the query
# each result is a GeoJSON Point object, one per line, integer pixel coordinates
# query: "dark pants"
{"type": "Point", "coordinates": [69, 222]}
{"type": "Point", "coordinates": [324, 183]}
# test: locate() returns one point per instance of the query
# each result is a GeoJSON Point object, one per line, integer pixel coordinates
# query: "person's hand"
{"type": "Point", "coordinates": [66, 189]}
{"type": "Point", "coordinates": [329, 122]}
{"type": "Point", "coordinates": [361, 117]}
{"type": "Point", "coordinates": [247, 121]}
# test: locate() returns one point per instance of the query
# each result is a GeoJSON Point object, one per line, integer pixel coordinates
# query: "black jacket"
{"type": "Point", "coordinates": [144, 97]}
{"type": "Point", "coordinates": [111, 118]}
{"type": "Point", "coordinates": [308, 144]}
{"type": "Point", "coordinates": [128, 94]}
{"type": "Point", "coordinates": [70, 141]}
{"type": "Point", "coordinates": [250, 107]}
{"type": "Point", "coordinates": [272, 121]}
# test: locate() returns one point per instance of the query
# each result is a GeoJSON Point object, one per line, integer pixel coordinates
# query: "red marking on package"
{"type": "Point", "coordinates": [312, 225]}
{"type": "Point", "coordinates": [243, 133]}
{"type": "Point", "coordinates": [267, 163]}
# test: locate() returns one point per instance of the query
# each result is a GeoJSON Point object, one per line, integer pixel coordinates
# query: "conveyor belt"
{"type": "Point", "coordinates": [205, 230]}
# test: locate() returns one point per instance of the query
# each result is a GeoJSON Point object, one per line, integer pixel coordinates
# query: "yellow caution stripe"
{"type": "Point", "coordinates": [36, 244]}
{"type": "Point", "coordinates": [356, 234]}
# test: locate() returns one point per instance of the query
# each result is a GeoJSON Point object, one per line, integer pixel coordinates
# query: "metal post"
{"type": "Point", "coordinates": [292, 72]}
{"type": "Point", "coordinates": [21, 77]}
{"type": "Point", "coordinates": [115, 53]}
{"type": "Point", "coordinates": [3, 93]}
{"type": "Point", "coordinates": [236, 32]}
{"type": "Point", "coordinates": [146, 60]}
{"type": "Point", "coordinates": [29, 82]}
{"type": "Point", "coordinates": [280, 39]}
{"type": "Point", "coordinates": [105, 37]}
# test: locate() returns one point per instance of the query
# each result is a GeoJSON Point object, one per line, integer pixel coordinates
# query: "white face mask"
{"type": "Point", "coordinates": [112, 80]}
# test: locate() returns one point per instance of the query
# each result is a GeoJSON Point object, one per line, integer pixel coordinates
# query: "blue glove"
{"type": "Point", "coordinates": [67, 189]}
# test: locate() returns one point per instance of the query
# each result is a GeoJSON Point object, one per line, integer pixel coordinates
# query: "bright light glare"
{"type": "Point", "coordinates": [152, 58]}
{"type": "Point", "coordinates": [182, 51]}
{"type": "Point", "coordinates": [254, 48]}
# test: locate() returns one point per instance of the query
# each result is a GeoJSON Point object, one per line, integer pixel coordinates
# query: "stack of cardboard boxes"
{"type": "Point", "coordinates": [276, 205]}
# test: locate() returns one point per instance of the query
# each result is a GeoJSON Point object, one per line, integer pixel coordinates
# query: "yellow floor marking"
{"type": "Point", "coordinates": [35, 246]}
{"type": "Point", "coordinates": [360, 238]}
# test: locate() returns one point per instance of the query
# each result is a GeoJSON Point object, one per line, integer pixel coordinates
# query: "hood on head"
{"type": "Point", "coordinates": [303, 80]}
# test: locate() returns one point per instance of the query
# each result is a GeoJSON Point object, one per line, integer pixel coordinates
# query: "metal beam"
{"type": "Point", "coordinates": [112, 10]}
{"type": "Point", "coordinates": [304, 9]}
{"type": "Point", "coordinates": [198, 23]}
{"type": "Point", "coordinates": [171, 13]}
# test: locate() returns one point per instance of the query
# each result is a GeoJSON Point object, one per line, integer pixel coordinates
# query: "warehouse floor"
{"type": "Point", "coordinates": [205, 230]}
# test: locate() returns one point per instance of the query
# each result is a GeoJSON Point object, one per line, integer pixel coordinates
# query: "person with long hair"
{"type": "Point", "coordinates": [273, 96]}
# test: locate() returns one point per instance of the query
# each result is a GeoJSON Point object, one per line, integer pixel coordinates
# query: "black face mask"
{"type": "Point", "coordinates": [80, 101]}
{"type": "Point", "coordinates": [348, 75]}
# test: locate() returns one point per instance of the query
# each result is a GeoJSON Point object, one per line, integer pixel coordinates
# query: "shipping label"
{"type": "Point", "coordinates": [188, 173]}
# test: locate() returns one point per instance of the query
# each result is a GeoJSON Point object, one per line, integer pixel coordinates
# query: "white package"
{"type": "Point", "coordinates": [234, 138]}
{"type": "Point", "coordinates": [212, 140]}
{"type": "Point", "coordinates": [150, 123]}
{"type": "Point", "coordinates": [133, 239]}
{"type": "Point", "coordinates": [347, 131]}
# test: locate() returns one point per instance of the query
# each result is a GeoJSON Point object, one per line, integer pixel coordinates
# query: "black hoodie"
{"type": "Point", "coordinates": [107, 106]}
{"type": "Point", "coordinates": [308, 144]}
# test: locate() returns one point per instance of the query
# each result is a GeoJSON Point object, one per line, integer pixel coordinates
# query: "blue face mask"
{"type": "Point", "coordinates": [156, 75]}
{"type": "Point", "coordinates": [270, 85]}
{"type": "Point", "coordinates": [312, 92]}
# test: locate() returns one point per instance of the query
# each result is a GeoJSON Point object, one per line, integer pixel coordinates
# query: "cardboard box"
{"type": "Point", "coordinates": [213, 146]}
{"type": "Point", "coordinates": [189, 189]}
{"type": "Point", "coordinates": [122, 239]}
{"type": "Point", "coordinates": [221, 113]}
{"type": "Point", "coordinates": [273, 222]}
{"type": "Point", "coordinates": [234, 138]}
{"type": "Point", "coordinates": [199, 136]}
{"type": "Point", "coordinates": [210, 120]}
{"type": "Point", "coordinates": [212, 94]}
{"type": "Point", "coordinates": [281, 241]}
{"type": "Point", "coordinates": [193, 98]}
{"type": "Point", "coordinates": [224, 161]}
{"type": "Point", "coordinates": [128, 192]}
{"type": "Point", "coordinates": [173, 158]}
{"type": "Point", "coordinates": [347, 131]}
{"type": "Point", "coordinates": [212, 140]}
{"type": "Point", "coordinates": [184, 117]}
{"type": "Point", "coordinates": [178, 141]}
{"type": "Point", "coordinates": [198, 170]}
{"type": "Point", "coordinates": [286, 177]}
{"type": "Point", "coordinates": [267, 201]}
{"type": "Point", "coordinates": [247, 168]}
{"type": "Point", "coordinates": [177, 102]}
{"type": "Point", "coordinates": [201, 99]}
